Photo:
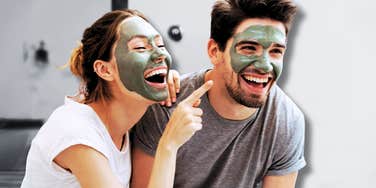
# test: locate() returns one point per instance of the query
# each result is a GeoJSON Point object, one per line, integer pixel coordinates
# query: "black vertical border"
{"type": "Point", "coordinates": [119, 4]}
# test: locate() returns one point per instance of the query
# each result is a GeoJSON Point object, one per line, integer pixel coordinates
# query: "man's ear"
{"type": "Point", "coordinates": [215, 54]}
{"type": "Point", "coordinates": [104, 69]}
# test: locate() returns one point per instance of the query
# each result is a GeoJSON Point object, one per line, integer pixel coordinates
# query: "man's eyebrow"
{"type": "Point", "coordinates": [279, 45]}
{"type": "Point", "coordinates": [250, 42]}
{"type": "Point", "coordinates": [247, 42]}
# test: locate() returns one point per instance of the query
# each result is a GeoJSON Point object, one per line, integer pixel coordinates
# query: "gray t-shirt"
{"type": "Point", "coordinates": [228, 153]}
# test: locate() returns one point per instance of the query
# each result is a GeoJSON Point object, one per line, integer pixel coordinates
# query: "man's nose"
{"type": "Point", "coordinates": [264, 64]}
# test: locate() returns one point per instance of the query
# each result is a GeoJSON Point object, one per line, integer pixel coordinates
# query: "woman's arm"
{"type": "Point", "coordinates": [163, 171]}
{"type": "Point", "coordinates": [89, 166]}
{"type": "Point", "coordinates": [184, 122]}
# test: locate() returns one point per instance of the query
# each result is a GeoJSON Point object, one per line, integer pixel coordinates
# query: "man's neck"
{"type": "Point", "coordinates": [223, 103]}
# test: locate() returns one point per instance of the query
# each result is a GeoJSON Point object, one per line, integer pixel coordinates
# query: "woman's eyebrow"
{"type": "Point", "coordinates": [137, 36]}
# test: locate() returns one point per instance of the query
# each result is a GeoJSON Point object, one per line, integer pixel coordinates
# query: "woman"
{"type": "Point", "coordinates": [122, 64]}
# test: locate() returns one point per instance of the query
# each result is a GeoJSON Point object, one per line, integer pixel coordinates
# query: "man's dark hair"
{"type": "Point", "coordinates": [228, 14]}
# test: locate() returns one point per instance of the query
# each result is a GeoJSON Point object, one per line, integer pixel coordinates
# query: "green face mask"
{"type": "Point", "coordinates": [265, 36]}
{"type": "Point", "coordinates": [132, 64]}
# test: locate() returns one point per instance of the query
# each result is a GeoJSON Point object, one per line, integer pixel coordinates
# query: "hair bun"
{"type": "Point", "coordinates": [76, 61]}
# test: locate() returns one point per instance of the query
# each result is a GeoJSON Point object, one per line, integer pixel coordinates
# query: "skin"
{"type": "Point", "coordinates": [148, 54]}
{"type": "Point", "coordinates": [263, 35]}
{"type": "Point", "coordinates": [223, 75]}
{"type": "Point", "coordinates": [256, 51]}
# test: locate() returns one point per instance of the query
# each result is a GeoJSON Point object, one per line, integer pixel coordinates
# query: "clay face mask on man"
{"type": "Point", "coordinates": [265, 36]}
{"type": "Point", "coordinates": [143, 70]}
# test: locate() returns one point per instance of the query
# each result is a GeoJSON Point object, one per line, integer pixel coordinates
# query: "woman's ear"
{"type": "Point", "coordinates": [215, 54]}
{"type": "Point", "coordinates": [104, 69]}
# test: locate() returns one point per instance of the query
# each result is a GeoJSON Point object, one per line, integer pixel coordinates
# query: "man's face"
{"type": "Point", "coordinates": [255, 53]}
{"type": "Point", "coordinates": [142, 59]}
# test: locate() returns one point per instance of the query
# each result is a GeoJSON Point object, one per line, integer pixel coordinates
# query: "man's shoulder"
{"type": "Point", "coordinates": [190, 82]}
{"type": "Point", "coordinates": [286, 116]}
{"type": "Point", "coordinates": [282, 103]}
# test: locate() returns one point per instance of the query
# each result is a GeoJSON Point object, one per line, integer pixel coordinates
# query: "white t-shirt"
{"type": "Point", "coordinates": [72, 124]}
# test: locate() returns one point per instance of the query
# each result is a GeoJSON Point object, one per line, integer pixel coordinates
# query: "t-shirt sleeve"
{"type": "Point", "coordinates": [60, 134]}
{"type": "Point", "coordinates": [147, 132]}
{"type": "Point", "coordinates": [289, 156]}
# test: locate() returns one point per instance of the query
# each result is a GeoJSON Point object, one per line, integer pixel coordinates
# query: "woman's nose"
{"type": "Point", "coordinates": [157, 56]}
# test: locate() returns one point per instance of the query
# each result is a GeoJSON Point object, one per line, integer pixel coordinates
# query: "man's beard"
{"type": "Point", "coordinates": [235, 91]}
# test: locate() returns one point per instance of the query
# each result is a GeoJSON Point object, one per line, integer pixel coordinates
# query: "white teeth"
{"type": "Point", "coordinates": [255, 79]}
{"type": "Point", "coordinates": [155, 72]}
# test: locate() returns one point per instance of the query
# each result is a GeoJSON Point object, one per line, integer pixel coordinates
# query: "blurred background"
{"type": "Point", "coordinates": [329, 71]}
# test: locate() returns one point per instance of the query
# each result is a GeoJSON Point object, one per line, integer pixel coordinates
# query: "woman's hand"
{"type": "Point", "coordinates": [185, 120]}
{"type": "Point", "coordinates": [173, 82]}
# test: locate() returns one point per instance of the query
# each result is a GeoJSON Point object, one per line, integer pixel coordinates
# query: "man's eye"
{"type": "Point", "coordinates": [248, 48]}
{"type": "Point", "coordinates": [161, 46]}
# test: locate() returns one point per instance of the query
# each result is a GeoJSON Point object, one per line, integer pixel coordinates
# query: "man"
{"type": "Point", "coordinates": [252, 134]}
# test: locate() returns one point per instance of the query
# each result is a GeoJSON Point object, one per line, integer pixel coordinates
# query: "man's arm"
{"type": "Point", "coordinates": [288, 159]}
{"type": "Point", "coordinates": [285, 181]}
{"type": "Point", "coordinates": [142, 164]}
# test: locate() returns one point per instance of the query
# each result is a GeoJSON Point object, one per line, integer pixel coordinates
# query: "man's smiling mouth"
{"type": "Point", "coordinates": [256, 81]}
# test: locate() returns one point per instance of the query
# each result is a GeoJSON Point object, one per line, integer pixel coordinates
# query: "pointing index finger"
{"type": "Point", "coordinates": [198, 93]}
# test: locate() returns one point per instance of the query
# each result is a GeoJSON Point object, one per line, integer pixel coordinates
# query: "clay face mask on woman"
{"type": "Point", "coordinates": [142, 59]}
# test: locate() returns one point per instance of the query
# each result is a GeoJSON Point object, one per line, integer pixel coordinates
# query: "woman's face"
{"type": "Point", "coordinates": [142, 59]}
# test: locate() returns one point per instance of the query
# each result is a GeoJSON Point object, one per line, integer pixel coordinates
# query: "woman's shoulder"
{"type": "Point", "coordinates": [71, 120]}
{"type": "Point", "coordinates": [70, 124]}
{"type": "Point", "coordinates": [71, 111]}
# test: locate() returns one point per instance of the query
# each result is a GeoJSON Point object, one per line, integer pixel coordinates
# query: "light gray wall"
{"type": "Point", "coordinates": [28, 91]}
{"type": "Point", "coordinates": [194, 19]}
{"type": "Point", "coordinates": [328, 71]}
{"type": "Point", "coordinates": [331, 78]}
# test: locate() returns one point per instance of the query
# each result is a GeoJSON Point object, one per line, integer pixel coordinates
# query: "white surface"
{"type": "Point", "coordinates": [330, 77]}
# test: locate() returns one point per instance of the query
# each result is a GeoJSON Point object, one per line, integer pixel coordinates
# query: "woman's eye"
{"type": "Point", "coordinates": [140, 48]}
{"type": "Point", "coordinates": [161, 46]}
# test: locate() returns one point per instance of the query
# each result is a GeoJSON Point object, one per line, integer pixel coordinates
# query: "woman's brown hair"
{"type": "Point", "coordinates": [97, 44]}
